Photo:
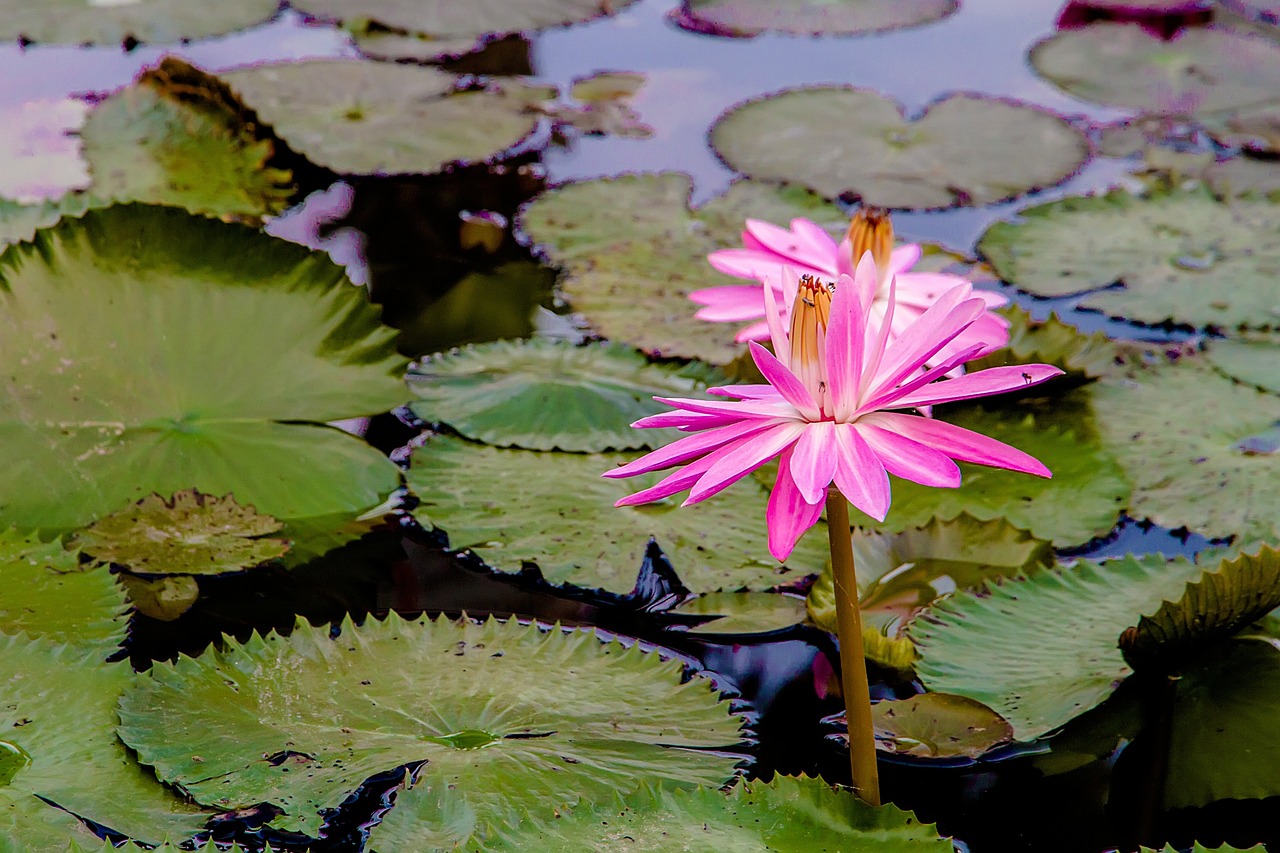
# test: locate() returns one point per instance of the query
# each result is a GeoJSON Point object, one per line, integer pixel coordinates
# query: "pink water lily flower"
{"type": "Point", "coordinates": [828, 411]}
{"type": "Point", "coordinates": [808, 249]}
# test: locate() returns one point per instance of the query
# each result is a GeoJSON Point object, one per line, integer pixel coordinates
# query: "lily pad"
{"type": "Point", "coordinates": [1199, 70]}
{"type": "Point", "coordinates": [1185, 436]}
{"type": "Point", "coordinates": [450, 19]}
{"type": "Point", "coordinates": [743, 612]}
{"type": "Point", "coordinates": [632, 249]}
{"type": "Point", "coordinates": [19, 222]}
{"type": "Point", "coordinates": [47, 593]}
{"type": "Point", "coordinates": [1169, 253]}
{"type": "Point", "coordinates": [164, 598]}
{"type": "Point", "coordinates": [150, 346]}
{"type": "Point", "coordinates": [1254, 360]}
{"type": "Point", "coordinates": [787, 813]}
{"type": "Point", "coordinates": [378, 118]}
{"type": "Point", "coordinates": [29, 823]}
{"type": "Point", "coordinates": [815, 17]}
{"type": "Point", "coordinates": [938, 725]}
{"type": "Point", "coordinates": [1082, 500]}
{"type": "Point", "coordinates": [191, 533]}
{"type": "Point", "coordinates": [154, 21]}
{"type": "Point", "coordinates": [1235, 594]}
{"type": "Point", "coordinates": [39, 152]}
{"type": "Point", "coordinates": [1041, 650]}
{"type": "Point", "coordinates": [493, 723]}
{"type": "Point", "coordinates": [546, 395]}
{"type": "Point", "coordinates": [397, 46]}
{"type": "Point", "coordinates": [963, 150]}
{"type": "Point", "coordinates": [179, 136]}
{"type": "Point", "coordinates": [554, 509]}
{"type": "Point", "coordinates": [59, 714]}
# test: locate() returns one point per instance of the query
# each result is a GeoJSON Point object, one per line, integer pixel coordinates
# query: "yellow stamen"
{"type": "Point", "coordinates": [871, 230]}
{"type": "Point", "coordinates": [809, 317]}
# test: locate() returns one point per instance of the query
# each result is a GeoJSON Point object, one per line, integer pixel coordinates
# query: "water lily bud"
{"type": "Point", "coordinates": [872, 231]}
{"type": "Point", "coordinates": [809, 317]}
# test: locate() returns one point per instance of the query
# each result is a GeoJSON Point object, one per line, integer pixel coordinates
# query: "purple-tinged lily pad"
{"type": "Point", "coordinates": [810, 17]}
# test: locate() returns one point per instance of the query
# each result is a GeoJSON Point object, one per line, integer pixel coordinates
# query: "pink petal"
{"type": "Point", "coordinates": [773, 316]}
{"type": "Point", "coordinates": [754, 332]}
{"type": "Point", "coordinates": [875, 348]}
{"type": "Point", "coordinates": [846, 332]}
{"type": "Point", "coordinates": [736, 298]}
{"type": "Point", "coordinates": [948, 317]}
{"type": "Point", "coordinates": [748, 392]}
{"type": "Point", "coordinates": [958, 442]}
{"type": "Point", "coordinates": [813, 462]}
{"type": "Point", "coordinates": [888, 399]}
{"type": "Point", "coordinates": [789, 515]}
{"type": "Point", "coordinates": [739, 409]}
{"type": "Point", "coordinates": [734, 461]}
{"type": "Point", "coordinates": [682, 420]}
{"type": "Point", "coordinates": [786, 382]}
{"type": "Point", "coordinates": [909, 459]}
{"type": "Point", "coordinates": [817, 243]}
{"type": "Point", "coordinates": [860, 475]}
{"type": "Point", "coordinates": [677, 481]}
{"type": "Point", "coordinates": [904, 258]}
{"type": "Point", "coordinates": [789, 247]}
{"type": "Point", "coordinates": [689, 447]}
{"type": "Point", "coordinates": [994, 380]}
{"type": "Point", "coordinates": [844, 258]}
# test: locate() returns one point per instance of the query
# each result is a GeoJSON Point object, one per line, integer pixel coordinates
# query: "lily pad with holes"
{"type": "Point", "coordinates": [546, 395]}
{"type": "Point", "coordinates": [1199, 70]}
{"type": "Point", "coordinates": [178, 136]}
{"type": "Point", "coordinates": [149, 346]}
{"type": "Point", "coordinates": [963, 150]}
{"type": "Point", "coordinates": [377, 118]}
{"type": "Point", "coordinates": [494, 723]}
{"type": "Point", "coordinates": [450, 19]}
{"type": "Point", "coordinates": [59, 743]}
{"type": "Point", "coordinates": [111, 23]}
{"type": "Point", "coordinates": [1082, 500]}
{"type": "Point", "coordinates": [554, 509]}
{"type": "Point", "coordinates": [632, 249]}
{"type": "Point", "coordinates": [40, 157]}
{"type": "Point", "coordinates": [814, 17]}
{"type": "Point", "coordinates": [787, 813]}
{"type": "Point", "coordinates": [1252, 359]}
{"type": "Point", "coordinates": [189, 534]}
{"type": "Point", "coordinates": [1195, 444]}
{"type": "Point", "coordinates": [743, 612]}
{"type": "Point", "coordinates": [938, 725]}
{"type": "Point", "coordinates": [1043, 649]}
{"type": "Point", "coordinates": [1171, 254]}
{"type": "Point", "coordinates": [47, 593]}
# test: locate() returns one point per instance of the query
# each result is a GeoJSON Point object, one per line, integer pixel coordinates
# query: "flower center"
{"type": "Point", "coordinates": [809, 317]}
{"type": "Point", "coordinates": [871, 230]}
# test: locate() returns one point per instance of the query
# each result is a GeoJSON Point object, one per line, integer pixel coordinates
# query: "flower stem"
{"type": "Point", "coordinates": [853, 668]}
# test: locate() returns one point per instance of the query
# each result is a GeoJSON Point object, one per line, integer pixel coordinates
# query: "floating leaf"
{"type": "Point", "coordinates": [450, 19]}
{"type": "Point", "coordinates": [785, 814]}
{"type": "Point", "coordinates": [60, 711]}
{"type": "Point", "coordinates": [47, 593]}
{"type": "Point", "coordinates": [150, 346]}
{"type": "Point", "coordinates": [29, 823]}
{"type": "Point", "coordinates": [507, 722]}
{"type": "Point", "coordinates": [632, 250]}
{"type": "Point", "coordinates": [179, 136]}
{"type": "Point", "coordinates": [109, 23]}
{"type": "Point", "coordinates": [1053, 342]}
{"type": "Point", "coordinates": [397, 46]}
{"type": "Point", "coordinates": [963, 150]}
{"type": "Point", "coordinates": [164, 598]}
{"type": "Point", "coordinates": [1170, 251]}
{"type": "Point", "coordinates": [378, 118]}
{"type": "Point", "coordinates": [1199, 70]}
{"type": "Point", "coordinates": [1254, 360]}
{"type": "Point", "coordinates": [813, 17]}
{"type": "Point", "coordinates": [554, 509]}
{"type": "Point", "coordinates": [1235, 594]}
{"type": "Point", "coordinates": [1081, 501]}
{"type": "Point", "coordinates": [743, 612]}
{"type": "Point", "coordinates": [19, 222]}
{"type": "Point", "coordinates": [1200, 848]}
{"type": "Point", "coordinates": [192, 533]}
{"type": "Point", "coordinates": [39, 152]}
{"type": "Point", "coordinates": [1041, 650]}
{"type": "Point", "coordinates": [938, 725]}
{"type": "Point", "coordinates": [545, 395]}
{"type": "Point", "coordinates": [1183, 434]}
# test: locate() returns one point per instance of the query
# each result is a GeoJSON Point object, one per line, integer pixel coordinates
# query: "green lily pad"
{"type": "Point", "coordinates": [165, 598]}
{"type": "Point", "coordinates": [19, 222]}
{"type": "Point", "coordinates": [632, 250]}
{"type": "Point", "coordinates": [547, 395]}
{"type": "Point", "coordinates": [1200, 848]}
{"type": "Point", "coordinates": [60, 711]}
{"type": "Point", "coordinates": [106, 846]}
{"type": "Point", "coordinates": [191, 533]}
{"type": "Point", "coordinates": [397, 46]}
{"type": "Point", "coordinates": [1253, 359]}
{"type": "Point", "coordinates": [179, 136]}
{"type": "Point", "coordinates": [554, 509]}
{"type": "Point", "coordinates": [509, 722]}
{"type": "Point", "coordinates": [1170, 251]}
{"type": "Point", "coordinates": [29, 823]}
{"type": "Point", "coordinates": [1053, 342]}
{"type": "Point", "coordinates": [815, 17]}
{"type": "Point", "coordinates": [1082, 500]}
{"type": "Point", "coordinates": [1043, 649]}
{"type": "Point", "coordinates": [40, 151]}
{"type": "Point", "coordinates": [787, 813]}
{"type": "Point", "coordinates": [154, 21]}
{"type": "Point", "coordinates": [1184, 435]}
{"type": "Point", "coordinates": [378, 118]}
{"type": "Point", "coordinates": [963, 150]}
{"type": "Point", "coordinates": [1237, 593]}
{"type": "Point", "coordinates": [1199, 70]}
{"type": "Point", "coordinates": [938, 725]}
{"type": "Point", "coordinates": [47, 593]}
{"type": "Point", "coordinates": [449, 19]}
{"type": "Point", "coordinates": [150, 346]}
{"type": "Point", "coordinates": [743, 612]}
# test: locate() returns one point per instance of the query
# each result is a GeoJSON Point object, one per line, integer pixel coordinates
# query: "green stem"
{"type": "Point", "coordinates": [853, 667]}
